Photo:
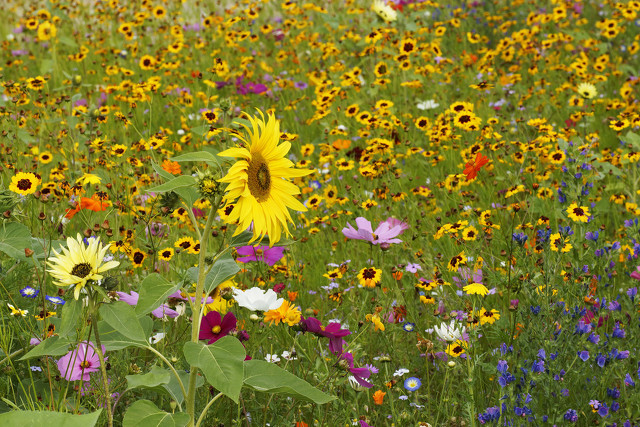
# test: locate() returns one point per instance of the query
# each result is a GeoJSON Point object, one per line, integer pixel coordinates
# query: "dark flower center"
{"type": "Point", "coordinates": [24, 184]}
{"type": "Point", "coordinates": [138, 257]}
{"type": "Point", "coordinates": [369, 273]}
{"type": "Point", "coordinates": [259, 179]}
{"type": "Point", "coordinates": [81, 270]}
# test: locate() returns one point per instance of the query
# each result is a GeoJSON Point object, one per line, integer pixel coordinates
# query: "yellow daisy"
{"type": "Point", "coordinates": [258, 183]}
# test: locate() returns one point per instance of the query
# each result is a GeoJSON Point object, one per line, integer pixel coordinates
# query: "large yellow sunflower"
{"type": "Point", "coordinates": [258, 184]}
{"type": "Point", "coordinates": [78, 264]}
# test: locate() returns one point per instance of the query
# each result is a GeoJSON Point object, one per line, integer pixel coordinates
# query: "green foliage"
{"type": "Point", "coordinates": [48, 418]}
{"type": "Point", "coordinates": [146, 413]}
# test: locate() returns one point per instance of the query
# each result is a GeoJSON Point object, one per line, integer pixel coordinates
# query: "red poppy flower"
{"type": "Point", "coordinates": [471, 169]}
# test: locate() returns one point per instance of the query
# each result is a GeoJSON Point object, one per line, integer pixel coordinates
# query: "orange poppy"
{"type": "Point", "coordinates": [378, 397]}
{"type": "Point", "coordinates": [93, 204]}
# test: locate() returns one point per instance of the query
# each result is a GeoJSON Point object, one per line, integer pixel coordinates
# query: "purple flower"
{"type": "Point", "coordinates": [386, 232]}
{"type": "Point", "coordinates": [260, 253]}
{"type": "Point", "coordinates": [79, 363]}
{"type": "Point", "coordinates": [333, 331]}
{"type": "Point", "coordinates": [300, 85]}
{"type": "Point", "coordinates": [584, 355]}
{"type": "Point", "coordinates": [413, 268]}
{"type": "Point", "coordinates": [358, 373]}
{"type": "Point", "coordinates": [214, 326]}
{"type": "Point", "coordinates": [160, 312]}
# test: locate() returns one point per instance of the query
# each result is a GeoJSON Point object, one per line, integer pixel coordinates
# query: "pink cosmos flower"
{"type": "Point", "coordinates": [79, 363]}
{"type": "Point", "coordinates": [386, 232]}
{"type": "Point", "coordinates": [260, 253]}
{"type": "Point", "coordinates": [636, 274]}
{"type": "Point", "coordinates": [160, 312]}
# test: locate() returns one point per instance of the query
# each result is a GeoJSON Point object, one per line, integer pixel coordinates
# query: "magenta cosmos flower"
{"type": "Point", "coordinates": [360, 374]}
{"type": "Point", "coordinates": [79, 363]}
{"type": "Point", "coordinates": [386, 232]}
{"type": "Point", "coordinates": [214, 326]}
{"type": "Point", "coordinates": [333, 331]}
{"type": "Point", "coordinates": [260, 253]}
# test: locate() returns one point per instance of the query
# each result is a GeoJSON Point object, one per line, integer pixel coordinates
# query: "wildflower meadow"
{"type": "Point", "coordinates": [302, 213]}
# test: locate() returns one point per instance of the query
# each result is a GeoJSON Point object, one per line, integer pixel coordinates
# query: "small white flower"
{"type": "Point", "coordinates": [450, 332]}
{"type": "Point", "coordinates": [256, 299]}
{"type": "Point", "coordinates": [272, 358]}
{"type": "Point", "coordinates": [400, 372]}
{"type": "Point", "coordinates": [156, 338]}
{"type": "Point", "coordinates": [428, 105]}
{"type": "Point", "coordinates": [289, 356]}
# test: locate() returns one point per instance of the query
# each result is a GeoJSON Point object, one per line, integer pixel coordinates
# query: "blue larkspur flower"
{"type": "Point", "coordinates": [29, 292]}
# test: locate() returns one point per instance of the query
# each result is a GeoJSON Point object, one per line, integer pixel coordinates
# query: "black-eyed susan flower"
{"type": "Point", "coordinates": [456, 348]}
{"type": "Point", "coordinates": [578, 213]}
{"type": "Point", "coordinates": [456, 262]}
{"type": "Point", "coordinates": [25, 183]}
{"type": "Point", "coordinates": [559, 243]}
{"type": "Point", "coordinates": [78, 264]}
{"type": "Point", "coordinates": [488, 316]}
{"type": "Point", "coordinates": [259, 183]}
{"type": "Point", "coordinates": [369, 277]}
{"type": "Point", "coordinates": [185, 243]}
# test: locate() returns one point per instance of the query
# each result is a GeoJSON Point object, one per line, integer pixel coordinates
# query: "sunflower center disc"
{"type": "Point", "coordinates": [259, 179]}
{"type": "Point", "coordinates": [81, 270]}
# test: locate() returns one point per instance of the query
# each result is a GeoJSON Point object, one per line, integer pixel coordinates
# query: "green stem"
{"type": "Point", "coordinates": [197, 309]}
{"type": "Point", "coordinates": [103, 368]}
{"type": "Point", "coordinates": [206, 408]}
{"type": "Point", "coordinates": [175, 373]}
{"type": "Point", "coordinates": [9, 357]}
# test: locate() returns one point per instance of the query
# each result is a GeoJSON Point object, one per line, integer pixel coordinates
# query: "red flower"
{"type": "Point", "coordinates": [214, 327]}
{"type": "Point", "coordinates": [471, 169]}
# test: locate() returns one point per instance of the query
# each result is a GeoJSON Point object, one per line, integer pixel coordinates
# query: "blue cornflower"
{"type": "Point", "coordinates": [55, 300]}
{"type": "Point", "coordinates": [535, 310]}
{"type": "Point", "coordinates": [412, 384]}
{"type": "Point", "coordinates": [584, 355]}
{"type": "Point", "coordinates": [29, 292]}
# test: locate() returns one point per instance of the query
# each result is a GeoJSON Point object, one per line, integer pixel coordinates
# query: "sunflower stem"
{"type": "Point", "coordinates": [105, 382]}
{"type": "Point", "coordinates": [197, 313]}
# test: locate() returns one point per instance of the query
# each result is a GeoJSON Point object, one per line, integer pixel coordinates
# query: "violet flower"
{"type": "Point", "coordinates": [358, 373]}
{"type": "Point", "coordinates": [260, 253]}
{"type": "Point", "coordinates": [333, 331]}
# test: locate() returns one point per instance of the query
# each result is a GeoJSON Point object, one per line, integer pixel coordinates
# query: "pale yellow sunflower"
{"type": "Point", "coordinates": [77, 264]}
{"type": "Point", "coordinates": [258, 183]}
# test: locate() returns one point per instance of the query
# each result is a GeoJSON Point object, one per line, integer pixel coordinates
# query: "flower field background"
{"type": "Point", "coordinates": [319, 213]}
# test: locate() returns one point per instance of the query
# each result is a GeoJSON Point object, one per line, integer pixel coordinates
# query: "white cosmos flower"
{"type": "Point", "coordinates": [428, 105]}
{"type": "Point", "coordinates": [450, 332]}
{"type": "Point", "coordinates": [157, 337]}
{"type": "Point", "coordinates": [272, 358]}
{"type": "Point", "coordinates": [256, 299]}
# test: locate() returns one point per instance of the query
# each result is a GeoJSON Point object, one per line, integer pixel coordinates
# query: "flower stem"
{"type": "Point", "coordinates": [103, 368]}
{"type": "Point", "coordinates": [197, 313]}
{"type": "Point", "coordinates": [206, 408]}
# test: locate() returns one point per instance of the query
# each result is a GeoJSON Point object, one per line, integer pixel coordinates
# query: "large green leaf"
{"type": "Point", "coordinates": [145, 413]}
{"type": "Point", "coordinates": [71, 312]}
{"type": "Point", "coordinates": [197, 156]}
{"type": "Point", "coordinates": [14, 239]}
{"type": "Point", "coordinates": [269, 378]}
{"type": "Point", "coordinates": [48, 418]}
{"type": "Point", "coordinates": [174, 184]}
{"type": "Point", "coordinates": [154, 289]}
{"type": "Point", "coordinates": [174, 386]}
{"type": "Point", "coordinates": [54, 346]}
{"type": "Point", "coordinates": [122, 317]}
{"type": "Point", "coordinates": [113, 340]}
{"type": "Point", "coordinates": [156, 377]}
{"type": "Point", "coordinates": [221, 363]}
{"type": "Point", "coordinates": [224, 269]}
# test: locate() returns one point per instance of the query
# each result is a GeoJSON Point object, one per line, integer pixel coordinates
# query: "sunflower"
{"type": "Point", "coordinates": [78, 264]}
{"type": "Point", "coordinates": [258, 183]}
{"type": "Point", "coordinates": [25, 183]}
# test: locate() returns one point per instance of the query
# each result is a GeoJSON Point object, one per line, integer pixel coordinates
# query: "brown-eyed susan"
{"type": "Point", "coordinates": [455, 262]}
{"type": "Point", "coordinates": [578, 213]}
{"type": "Point", "coordinates": [559, 243]}
{"type": "Point", "coordinates": [46, 31]}
{"type": "Point", "coordinates": [369, 277]}
{"type": "Point", "coordinates": [166, 254]}
{"type": "Point", "coordinates": [557, 157]}
{"type": "Point", "coordinates": [456, 348]}
{"type": "Point", "coordinates": [259, 182]}
{"type": "Point", "coordinates": [25, 183]}
{"type": "Point", "coordinates": [185, 243]}
{"type": "Point", "coordinates": [488, 316]}
{"type": "Point", "coordinates": [422, 123]}
{"type": "Point", "coordinates": [137, 257]}
{"type": "Point", "coordinates": [147, 62]}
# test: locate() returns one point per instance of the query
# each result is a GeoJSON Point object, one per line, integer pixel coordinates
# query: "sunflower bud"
{"type": "Point", "coordinates": [225, 105]}
{"type": "Point", "coordinates": [207, 184]}
{"type": "Point", "coordinates": [168, 202]}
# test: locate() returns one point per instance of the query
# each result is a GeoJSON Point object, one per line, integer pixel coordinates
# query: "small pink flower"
{"type": "Point", "coordinates": [79, 363]}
